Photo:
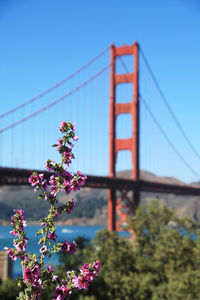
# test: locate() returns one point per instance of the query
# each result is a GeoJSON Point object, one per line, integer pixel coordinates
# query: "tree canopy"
{"type": "Point", "coordinates": [161, 263]}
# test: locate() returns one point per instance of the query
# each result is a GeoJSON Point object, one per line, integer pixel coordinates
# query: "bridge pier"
{"type": "Point", "coordinates": [121, 205]}
{"type": "Point", "coordinates": [6, 266]}
{"type": "Point", "coordinates": [111, 209]}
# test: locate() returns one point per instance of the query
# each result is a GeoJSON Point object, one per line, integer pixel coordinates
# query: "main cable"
{"type": "Point", "coordinates": [169, 107]}
{"type": "Point", "coordinates": [167, 138]}
{"type": "Point", "coordinates": [56, 85]}
{"type": "Point", "coordinates": [56, 101]}
{"type": "Point", "coordinates": [161, 129]}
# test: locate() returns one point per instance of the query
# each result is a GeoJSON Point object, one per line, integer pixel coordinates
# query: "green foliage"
{"type": "Point", "coordinates": [69, 262]}
{"type": "Point", "coordinates": [117, 258]}
{"type": "Point", "coordinates": [116, 254]}
{"type": "Point", "coordinates": [9, 290]}
{"type": "Point", "coordinates": [162, 263]}
{"type": "Point", "coordinates": [167, 258]}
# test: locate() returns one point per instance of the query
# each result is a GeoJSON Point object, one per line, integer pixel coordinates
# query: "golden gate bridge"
{"type": "Point", "coordinates": [109, 103]}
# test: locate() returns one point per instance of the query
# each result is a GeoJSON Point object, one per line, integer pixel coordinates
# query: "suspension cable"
{"type": "Point", "coordinates": [56, 85]}
{"type": "Point", "coordinates": [161, 129]}
{"type": "Point", "coordinates": [167, 138]}
{"type": "Point", "coordinates": [56, 101]}
{"type": "Point", "coordinates": [169, 107]}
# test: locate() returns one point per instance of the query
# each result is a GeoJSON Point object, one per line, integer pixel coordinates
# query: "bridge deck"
{"type": "Point", "coordinates": [11, 176]}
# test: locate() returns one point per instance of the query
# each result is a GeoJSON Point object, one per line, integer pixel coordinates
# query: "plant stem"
{"type": "Point", "coordinates": [46, 235]}
{"type": "Point", "coordinates": [33, 297]}
{"type": "Point", "coordinates": [22, 268]}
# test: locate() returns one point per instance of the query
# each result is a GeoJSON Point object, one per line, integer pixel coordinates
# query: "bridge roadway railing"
{"type": "Point", "coordinates": [14, 176]}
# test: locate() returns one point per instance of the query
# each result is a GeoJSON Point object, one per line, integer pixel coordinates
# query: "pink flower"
{"type": "Point", "coordinates": [36, 271]}
{"type": "Point", "coordinates": [64, 246]}
{"type": "Point", "coordinates": [50, 165]}
{"type": "Point", "coordinates": [81, 282]}
{"type": "Point", "coordinates": [41, 176]}
{"type": "Point", "coordinates": [71, 206]}
{"type": "Point", "coordinates": [28, 275]}
{"type": "Point", "coordinates": [91, 270]}
{"type": "Point", "coordinates": [67, 187]}
{"type": "Point", "coordinates": [74, 185]}
{"type": "Point", "coordinates": [55, 277]}
{"type": "Point", "coordinates": [11, 253]}
{"type": "Point", "coordinates": [21, 245]}
{"type": "Point", "coordinates": [12, 220]}
{"type": "Point", "coordinates": [54, 190]}
{"type": "Point", "coordinates": [67, 158]}
{"type": "Point", "coordinates": [50, 269]}
{"type": "Point", "coordinates": [66, 174]}
{"type": "Point", "coordinates": [69, 247]}
{"type": "Point", "coordinates": [44, 185]}
{"type": "Point", "coordinates": [85, 268]}
{"type": "Point", "coordinates": [33, 271]}
{"type": "Point", "coordinates": [13, 232]}
{"type": "Point", "coordinates": [33, 179]}
{"type": "Point", "coordinates": [59, 144]}
{"type": "Point", "coordinates": [75, 138]}
{"type": "Point", "coordinates": [61, 292]}
{"type": "Point", "coordinates": [54, 187]}
{"type": "Point", "coordinates": [62, 126]}
{"type": "Point", "coordinates": [43, 249]}
{"type": "Point", "coordinates": [96, 265]}
{"type": "Point", "coordinates": [62, 148]}
{"type": "Point", "coordinates": [52, 180]}
{"type": "Point", "coordinates": [81, 178]}
{"type": "Point", "coordinates": [24, 224]}
{"type": "Point", "coordinates": [20, 212]}
{"type": "Point", "coordinates": [52, 236]}
{"type": "Point", "coordinates": [31, 276]}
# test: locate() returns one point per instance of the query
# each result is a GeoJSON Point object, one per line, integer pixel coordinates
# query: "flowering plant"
{"type": "Point", "coordinates": [36, 276]}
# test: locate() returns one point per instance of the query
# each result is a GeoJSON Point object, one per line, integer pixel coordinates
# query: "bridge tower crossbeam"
{"type": "Point", "coordinates": [120, 208]}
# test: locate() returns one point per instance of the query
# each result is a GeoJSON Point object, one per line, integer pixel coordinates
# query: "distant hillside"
{"type": "Point", "coordinates": [91, 203]}
{"type": "Point", "coordinates": [148, 176]}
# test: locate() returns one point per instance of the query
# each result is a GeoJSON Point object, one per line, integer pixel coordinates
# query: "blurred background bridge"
{"type": "Point", "coordinates": [140, 128]}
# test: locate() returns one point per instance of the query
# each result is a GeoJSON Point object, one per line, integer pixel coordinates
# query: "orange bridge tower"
{"type": "Point", "coordinates": [122, 203]}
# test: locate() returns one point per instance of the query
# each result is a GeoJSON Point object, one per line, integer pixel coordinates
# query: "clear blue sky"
{"type": "Point", "coordinates": [44, 41]}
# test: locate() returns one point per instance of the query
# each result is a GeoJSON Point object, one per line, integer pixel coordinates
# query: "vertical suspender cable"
{"type": "Point", "coordinates": [1, 145]}
{"type": "Point", "coordinates": [22, 142]}
{"type": "Point", "coordinates": [12, 143]}
{"type": "Point", "coordinates": [90, 123]}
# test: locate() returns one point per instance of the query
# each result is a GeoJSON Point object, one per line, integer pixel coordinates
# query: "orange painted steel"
{"type": "Point", "coordinates": [116, 207]}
